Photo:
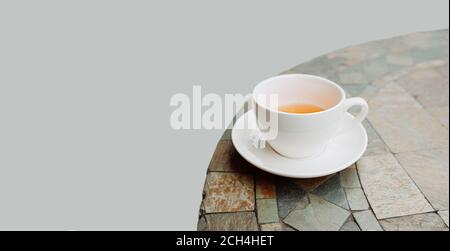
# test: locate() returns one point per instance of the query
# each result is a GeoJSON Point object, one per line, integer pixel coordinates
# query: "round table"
{"type": "Point", "coordinates": [402, 180]}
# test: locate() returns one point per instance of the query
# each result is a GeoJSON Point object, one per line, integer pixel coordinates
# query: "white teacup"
{"type": "Point", "coordinates": [302, 135]}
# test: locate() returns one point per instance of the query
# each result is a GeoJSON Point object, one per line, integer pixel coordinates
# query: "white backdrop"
{"type": "Point", "coordinates": [85, 141]}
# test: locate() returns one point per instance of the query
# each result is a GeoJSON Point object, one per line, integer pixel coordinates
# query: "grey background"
{"type": "Point", "coordinates": [85, 141]}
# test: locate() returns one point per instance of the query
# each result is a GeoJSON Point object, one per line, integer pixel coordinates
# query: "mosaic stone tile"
{"type": "Point", "coordinates": [201, 211]}
{"type": "Point", "coordinates": [265, 186]}
{"type": "Point", "coordinates": [310, 184]}
{"type": "Point", "coordinates": [368, 92]}
{"type": "Point", "coordinates": [422, 40]}
{"type": "Point", "coordinates": [431, 64]}
{"type": "Point", "coordinates": [376, 68]}
{"type": "Point", "coordinates": [389, 189]}
{"type": "Point", "coordinates": [375, 143]}
{"type": "Point", "coordinates": [402, 58]}
{"type": "Point", "coordinates": [289, 196]}
{"type": "Point", "coordinates": [286, 227]}
{"type": "Point", "coordinates": [350, 225]}
{"type": "Point", "coordinates": [402, 123]}
{"type": "Point", "coordinates": [418, 222]}
{"type": "Point", "coordinates": [357, 54]}
{"type": "Point", "coordinates": [367, 221]}
{"type": "Point", "coordinates": [422, 55]}
{"type": "Point", "coordinates": [349, 178]}
{"type": "Point", "coordinates": [430, 171]}
{"type": "Point", "coordinates": [229, 192]}
{"type": "Point", "coordinates": [241, 221]}
{"type": "Point", "coordinates": [444, 216]}
{"type": "Point", "coordinates": [443, 70]}
{"type": "Point", "coordinates": [226, 135]}
{"type": "Point", "coordinates": [353, 90]}
{"type": "Point", "coordinates": [227, 159]}
{"type": "Point", "coordinates": [320, 66]}
{"type": "Point", "coordinates": [290, 71]}
{"type": "Point", "coordinates": [441, 114]}
{"type": "Point", "coordinates": [333, 192]}
{"type": "Point", "coordinates": [271, 227]}
{"type": "Point", "coordinates": [352, 78]}
{"type": "Point", "coordinates": [356, 199]}
{"type": "Point", "coordinates": [427, 86]}
{"type": "Point", "coordinates": [318, 215]}
{"type": "Point", "coordinates": [395, 45]}
{"type": "Point", "coordinates": [363, 91]}
{"type": "Point", "coordinates": [399, 77]}
{"type": "Point", "coordinates": [267, 210]}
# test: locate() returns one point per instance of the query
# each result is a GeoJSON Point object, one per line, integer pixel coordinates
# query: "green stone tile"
{"type": "Point", "coordinates": [356, 199]}
{"type": "Point", "coordinates": [350, 225]}
{"type": "Point", "coordinates": [267, 210]}
{"type": "Point", "coordinates": [333, 192]}
{"type": "Point", "coordinates": [376, 68]}
{"type": "Point", "coordinates": [349, 178]}
{"type": "Point", "coordinates": [367, 221]}
{"type": "Point", "coordinates": [354, 90]}
{"type": "Point", "coordinates": [289, 196]}
{"type": "Point", "coordinates": [319, 215]}
{"type": "Point", "coordinates": [428, 54]}
{"type": "Point", "coordinates": [353, 75]}
{"type": "Point", "coordinates": [271, 227]}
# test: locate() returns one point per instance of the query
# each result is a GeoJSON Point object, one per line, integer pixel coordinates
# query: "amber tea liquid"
{"type": "Point", "coordinates": [300, 108]}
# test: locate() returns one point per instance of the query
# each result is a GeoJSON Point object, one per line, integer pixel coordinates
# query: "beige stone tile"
{"type": "Point", "coordinates": [271, 227]}
{"type": "Point", "coordinates": [444, 216]}
{"type": "Point", "coordinates": [441, 114]}
{"type": "Point", "coordinates": [429, 170]}
{"type": "Point", "coordinates": [375, 143]}
{"type": "Point", "coordinates": [421, 40]}
{"type": "Point", "coordinates": [402, 122]}
{"type": "Point", "coordinates": [443, 70]}
{"type": "Point", "coordinates": [399, 59]}
{"type": "Point", "coordinates": [390, 191]}
{"type": "Point", "coordinates": [229, 192]}
{"type": "Point", "coordinates": [427, 85]}
{"type": "Point", "coordinates": [418, 222]}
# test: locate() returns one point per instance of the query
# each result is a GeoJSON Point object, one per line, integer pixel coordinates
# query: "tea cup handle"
{"type": "Point", "coordinates": [350, 102]}
{"type": "Point", "coordinates": [257, 139]}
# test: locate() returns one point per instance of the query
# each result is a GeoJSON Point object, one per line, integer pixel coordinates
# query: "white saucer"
{"type": "Point", "coordinates": [340, 153]}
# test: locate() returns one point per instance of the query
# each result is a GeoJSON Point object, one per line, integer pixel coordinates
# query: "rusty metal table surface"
{"type": "Point", "coordinates": [402, 180]}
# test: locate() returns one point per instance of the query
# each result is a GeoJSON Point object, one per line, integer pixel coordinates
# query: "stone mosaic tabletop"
{"type": "Point", "coordinates": [402, 180]}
